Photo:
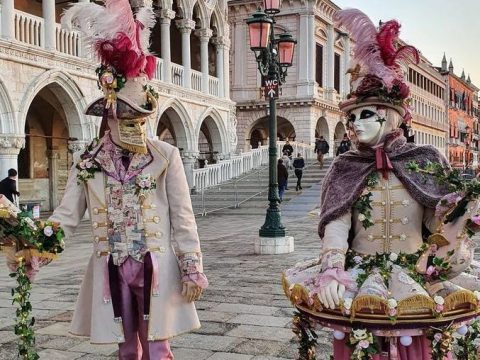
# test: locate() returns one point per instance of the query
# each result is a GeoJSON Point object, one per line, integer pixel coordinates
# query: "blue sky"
{"type": "Point", "coordinates": [434, 27]}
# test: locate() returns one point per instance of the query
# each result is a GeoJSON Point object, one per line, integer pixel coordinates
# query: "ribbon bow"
{"type": "Point", "coordinates": [383, 162]}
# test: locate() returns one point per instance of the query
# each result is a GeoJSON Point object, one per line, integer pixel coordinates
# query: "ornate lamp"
{"type": "Point", "coordinates": [286, 47]}
{"type": "Point", "coordinates": [271, 7]}
{"type": "Point", "coordinates": [259, 25]}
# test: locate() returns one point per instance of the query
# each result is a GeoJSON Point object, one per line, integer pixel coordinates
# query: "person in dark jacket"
{"type": "Point", "coordinates": [298, 165]}
{"type": "Point", "coordinates": [282, 175]}
{"type": "Point", "coordinates": [321, 148]}
{"type": "Point", "coordinates": [8, 186]}
{"type": "Point", "coordinates": [344, 146]}
{"type": "Point", "coordinates": [288, 148]}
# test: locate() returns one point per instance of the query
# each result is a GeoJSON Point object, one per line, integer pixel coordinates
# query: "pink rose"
{"type": "Point", "coordinates": [438, 308]}
{"type": "Point", "coordinates": [392, 312]}
{"type": "Point", "coordinates": [82, 165]}
{"type": "Point", "coordinates": [147, 183]}
{"type": "Point", "coordinates": [347, 311]}
{"type": "Point", "coordinates": [364, 344]}
{"type": "Point", "coordinates": [431, 270]}
{"type": "Point", "coordinates": [437, 336]}
{"type": "Point", "coordinates": [476, 219]}
{"type": "Point", "coordinates": [142, 184]}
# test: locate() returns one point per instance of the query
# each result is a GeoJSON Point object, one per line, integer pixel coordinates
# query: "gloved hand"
{"type": "Point", "coordinates": [191, 291]}
{"type": "Point", "coordinates": [331, 294]}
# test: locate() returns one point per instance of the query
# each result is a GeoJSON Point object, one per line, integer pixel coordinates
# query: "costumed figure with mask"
{"type": "Point", "coordinates": [146, 267]}
{"type": "Point", "coordinates": [392, 278]}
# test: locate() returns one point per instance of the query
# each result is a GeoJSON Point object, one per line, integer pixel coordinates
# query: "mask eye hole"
{"type": "Point", "coordinates": [130, 125]}
{"type": "Point", "coordinates": [366, 114]}
{"type": "Point", "coordinates": [351, 118]}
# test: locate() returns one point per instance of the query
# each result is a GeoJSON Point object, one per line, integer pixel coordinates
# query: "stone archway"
{"type": "Point", "coordinates": [170, 129]}
{"type": "Point", "coordinates": [259, 131]}
{"type": "Point", "coordinates": [210, 141]}
{"type": "Point", "coordinates": [45, 161]}
{"type": "Point", "coordinates": [338, 134]}
{"type": "Point", "coordinates": [321, 128]}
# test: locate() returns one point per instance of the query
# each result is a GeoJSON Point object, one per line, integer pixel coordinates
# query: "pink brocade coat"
{"type": "Point", "coordinates": [168, 218]}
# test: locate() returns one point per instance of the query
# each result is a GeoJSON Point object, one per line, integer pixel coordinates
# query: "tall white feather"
{"type": "Point", "coordinates": [146, 16]}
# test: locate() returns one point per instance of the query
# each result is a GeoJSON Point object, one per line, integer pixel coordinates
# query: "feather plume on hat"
{"type": "Point", "coordinates": [118, 38]}
{"type": "Point", "coordinates": [377, 74]}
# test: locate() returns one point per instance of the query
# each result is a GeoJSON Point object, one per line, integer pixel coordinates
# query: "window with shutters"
{"type": "Point", "coordinates": [336, 73]}
{"type": "Point", "coordinates": [319, 65]}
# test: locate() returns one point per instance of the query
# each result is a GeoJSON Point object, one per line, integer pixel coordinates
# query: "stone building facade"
{"type": "Point", "coordinates": [430, 117]}
{"type": "Point", "coordinates": [308, 103]}
{"type": "Point", "coordinates": [47, 80]}
{"type": "Point", "coordinates": [462, 106]}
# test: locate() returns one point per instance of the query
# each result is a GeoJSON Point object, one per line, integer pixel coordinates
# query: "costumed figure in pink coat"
{"type": "Point", "coordinates": [395, 278]}
{"type": "Point", "coordinates": [146, 267]}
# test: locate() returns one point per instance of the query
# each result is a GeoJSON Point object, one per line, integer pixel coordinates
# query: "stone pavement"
{"type": "Point", "coordinates": [244, 313]}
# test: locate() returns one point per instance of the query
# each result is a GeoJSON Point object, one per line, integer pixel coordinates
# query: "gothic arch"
{"type": "Point", "coordinates": [321, 128]}
{"type": "Point", "coordinates": [181, 123]}
{"type": "Point", "coordinates": [7, 114]}
{"type": "Point", "coordinates": [216, 127]}
{"type": "Point", "coordinates": [68, 94]}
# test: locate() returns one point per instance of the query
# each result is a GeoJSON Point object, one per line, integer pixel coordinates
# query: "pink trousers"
{"type": "Point", "coordinates": [136, 346]}
{"type": "Point", "coordinates": [418, 350]}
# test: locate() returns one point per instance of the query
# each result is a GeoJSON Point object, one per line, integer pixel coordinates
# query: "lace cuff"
{"type": "Point", "coordinates": [191, 268]}
{"type": "Point", "coordinates": [333, 258]}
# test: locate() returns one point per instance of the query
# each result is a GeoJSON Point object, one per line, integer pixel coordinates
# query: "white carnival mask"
{"type": "Point", "coordinates": [371, 124]}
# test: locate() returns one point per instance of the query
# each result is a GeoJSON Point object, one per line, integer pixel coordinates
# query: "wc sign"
{"type": "Point", "coordinates": [271, 88]}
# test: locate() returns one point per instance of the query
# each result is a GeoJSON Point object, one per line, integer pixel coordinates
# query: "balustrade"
{"type": "Point", "coordinates": [196, 80]}
{"type": "Point", "coordinates": [177, 74]}
{"type": "Point", "coordinates": [67, 42]}
{"type": "Point", "coordinates": [29, 29]}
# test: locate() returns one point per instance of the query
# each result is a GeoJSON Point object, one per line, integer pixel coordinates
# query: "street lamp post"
{"type": "Point", "coordinates": [274, 54]}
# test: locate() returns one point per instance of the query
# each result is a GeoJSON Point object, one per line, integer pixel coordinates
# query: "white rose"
{"type": "Point", "coordinates": [48, 231]}
{"type": "Point", "coordinates": [392, 303]}
{"type": "Point", "coordinates": [361, 217]}
{"type": "Point", "coordinates": [347, 303]}
{"type": "Point", "coordinates": [88, 164]}
{"type": "Point", "coordinates": [439, 300]}
{"type": "Point", "coordinates": [393, 257]}
{"type": "Point", "coordinates": [84, 173]}
{"type": "Point", "coordinates": [477, 294]}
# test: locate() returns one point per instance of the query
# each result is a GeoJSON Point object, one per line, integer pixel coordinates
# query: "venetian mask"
{"type": "Point", "coordinates": [371, 124]}
{"type": "Point", "coordinates": [132, 135]}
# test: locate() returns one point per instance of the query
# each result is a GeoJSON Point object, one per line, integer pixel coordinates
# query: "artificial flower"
{"type": "Point", "coordinates": [393, 257]}
{"type": "Point", "coordinates": [48, 231]}
{"type": "Point", "coordinates": [439, 300]}
{"type": "Point", "coordinates": [361, 217]}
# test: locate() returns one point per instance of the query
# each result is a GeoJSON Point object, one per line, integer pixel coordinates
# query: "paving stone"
{"type": "Point", "coordinates": [245, 309]}
{"type": "Point", "coordinates": [206, 342]}
{"type": "Point", "coordinates": [205, 315]}
{"type": "Point", "coordinates": [62, 343]}
{"type": "Point", "coordinates": [97, 357]}
{"type": "Point", "coordinates": [87, 347]}
{"type": "Point", "coordinates": [229, 356]}
{"type": "Point", "coordinates": [214, 328]}
{"type": "Point", "coordinates": [7, 336]}
{"type": "Point", "coordinates": [260, 320]}
{"type": "Point", "coordinates": [59, 329]}
{"type": "Point", "coordinates": [261, 332]}
{"type": "Point", "coordinates": [190, 354]}
{"type": "Point", "coordinates": [260, 347]}
{"type": "Point", "coordinates": [51, 354]}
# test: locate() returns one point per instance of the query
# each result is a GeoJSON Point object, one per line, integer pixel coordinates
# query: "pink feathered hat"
{"type": "Point", "coordinates": [377, 77]}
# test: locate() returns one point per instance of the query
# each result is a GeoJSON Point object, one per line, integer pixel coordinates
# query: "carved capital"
{"type": "Point", "coordinates": [11, 143]}
{"type": "Point", "coordinates": [185, 25]}
{"type": "Point", "coordinates": [204, 34]}
{"type": "Point", "coordinates": [166, 15]}
{"type": "Point", "coordinates": [76, 146]}
{"type": "Point", "coordinates": [221, 42]}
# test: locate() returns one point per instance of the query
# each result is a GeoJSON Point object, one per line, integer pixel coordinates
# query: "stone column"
{"type": "Point", "coordinates": [186, 26]}
{"type": "Point", "coordinates": [166, 17]}
{"type": "Point", "coordinates": [330, 55]}
{"type": "Point", "coordinates": [302, 48]}
{"type": "Point", "coordinates": [346, 62]}
{"type": "Point", "coordinates": [204, 35]}
{"type": "Point", "coordinates": [48, 9]}
{"type": "Point", "coordinates": [8, 20]}
{"type": "Point", "coordinates": [10, 146]}
{"type": "Point", "coordinates": [222, 45]}
{"type": "Point", "coordinates": [189, 159]}
{"type": "Point", "coordinates": [53, 156]}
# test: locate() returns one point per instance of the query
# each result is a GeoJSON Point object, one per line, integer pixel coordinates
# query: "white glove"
{"type": "Point", "coordinates": [331, 294]}
{"type": "Point", "coordinates": [191, 291]}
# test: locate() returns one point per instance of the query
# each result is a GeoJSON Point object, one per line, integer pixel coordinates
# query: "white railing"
{"type": "Point", "coordinates": [216, 174]}
{"type": "Point", "coordinates": [29, 29]}
{"type": "Point", "coordinates": [177, 74]}
{"type": "Point", "coordinates": [67, 42]}
{"type": "Point", "coordinates": [213, 86]}
{"type": "Point", "coordinates": [196, 78]}
{"type": "Point", "coordinates": [158, 69]}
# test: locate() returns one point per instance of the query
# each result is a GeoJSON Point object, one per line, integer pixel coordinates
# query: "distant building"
{"type": "Point", "coordinates": [462, 105]}
{"type": "Point", "coordinates": [308, 103]}
{"type": "Point", "coordinates": [428, 91]}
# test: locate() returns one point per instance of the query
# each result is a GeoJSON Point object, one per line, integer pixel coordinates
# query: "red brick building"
{"type": "Point", "coordinates": [461, 100]}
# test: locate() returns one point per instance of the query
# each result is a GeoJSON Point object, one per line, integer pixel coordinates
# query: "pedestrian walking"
{"type": "Point", "coordinates": [282, 175]}
{"type": "Point", "coordinates": [287, 163]}
{"type": "Point", "coordinates": [344, 146]}
{"type": "Point", "coordinates": [288, 148]}
{"type": "Point", "coordinates": [321, 148]}
{"type": "Point", "coordinates": [8, 186]}
{"type": "Point", "coordinates": [298, 165]}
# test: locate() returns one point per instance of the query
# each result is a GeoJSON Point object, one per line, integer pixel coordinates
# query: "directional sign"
{"type": "Point", "coordinates": [271, 89]}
